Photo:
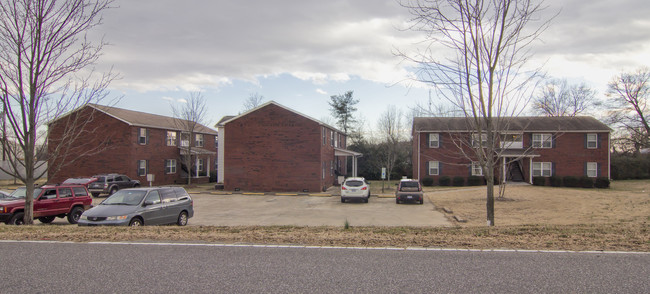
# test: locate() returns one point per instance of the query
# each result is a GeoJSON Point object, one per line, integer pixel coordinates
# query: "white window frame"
{"type": "Point", "coordinates": [434, 143]}
{"type": "Point", "coordinates": [185, 142]}
{"type": "Point", "coordinates": [142, 136]}
{"type": "Point", "coordinates": [512, 140]}
{"type": "Point", "coordinates": [434, 168]}
{"type": "Point", "coordinates": [171, 138]}
{"type": "Point", "coordinates": [592, 141]}
{"type": "Point", "coordinates": [475, 140]}
{"type": "Point", "coordinates": [476, 169]}
{"type": "Point", "coordinates": [142, 168]}
{"type": "Point", "coordinates": [542, 169]}
{"type": "Point", "coordinates": [200, 164]}
{"type": "Point", "coordinates": [198, 140]}
{"type": "Point", "coordinates": [592, 169]}
{"type": "Point", "coordinates": [542, 140]}
{"type": "Point", "coordinates": [170, 166]}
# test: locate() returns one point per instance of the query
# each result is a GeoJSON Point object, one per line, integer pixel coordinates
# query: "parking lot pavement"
{"type": "Point", "coordinates": [249, 210]}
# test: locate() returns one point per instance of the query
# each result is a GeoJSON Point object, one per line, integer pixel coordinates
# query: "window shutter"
{"type": "Point", "coordinates": [597, 141]}
{"type": "Point", "coordinates": [439, 140]}
{"type": "Point", "coordinates": [586, 140]}
{"type": "Point", "coordinates": [531, 140]}
{"type": "Point", "coordinates": [598, 169]}
{"type": "Point", "coordinates": [440, 168]}
{"type": "Point", "coordinates": [428, 140]}
{"type": "Point", "coordinates": [146, 164]}
{"type": "Point", "coordinates": [146, 140]}
{"type": "Point", "coordinates": [137, 136]}
{"type": "Point", "coordinates": [553, 139]}
{"type": "Point", "coordinates": [137, 167]}
{"type": "Point", "coordinates": [552, 168]}
{"type": "Point", "coordinates": [470, 169]}
{"type": "Point", "coordinates": [426, 165]}
{"type": "Point", "coordinates": [585, 169]}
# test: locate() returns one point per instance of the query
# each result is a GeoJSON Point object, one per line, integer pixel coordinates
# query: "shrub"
{"type": "Point", "coordinates": [444, 181]}
{"type": "Point", "coordinates": [539, 181]}
{"type": "Point", "coordinates": [475, 181]}
{"type": "Point", "coordinates": [630, 166]}
{"type": "Point", "coordinates": [459, 181]}
{"type": "Point", "coordinates": [571, 181]}
{"type": "Point", "coordinates": [602, 182]}
{"type": "Point", "coordinates": [586, 182]}
{"type": "Point", "coordinates": [427, 182]}
{"type": "Point", "coordinates": [555, 181]}
{"type": "Point", "coordinates": [213, 176]}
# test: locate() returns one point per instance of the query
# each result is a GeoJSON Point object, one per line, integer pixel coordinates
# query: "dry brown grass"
{"type": "Point", "coordinates": [626, 202]}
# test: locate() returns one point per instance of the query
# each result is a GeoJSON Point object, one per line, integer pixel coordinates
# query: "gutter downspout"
{"type": "Point", "coordinates": [418, 133]}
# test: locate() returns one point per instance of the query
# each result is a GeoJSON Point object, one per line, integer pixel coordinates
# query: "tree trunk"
{"type": "Point", "coordinates": [490, 196]}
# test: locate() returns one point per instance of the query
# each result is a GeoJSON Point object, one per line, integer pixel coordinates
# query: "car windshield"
{"type": "Point", "coordinates": [77, 181]}
{"type": "Point", "coordinates": [22, 191]}
{"type": "Point", "coordinates": [354, 183]}
{"type": "Point", "coordinates": [100, 179]}
{"type": "Point", "coordinates": [125, 197]}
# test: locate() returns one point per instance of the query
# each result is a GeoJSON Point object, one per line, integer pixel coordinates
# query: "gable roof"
{"type": "Point", "coordinates": [148, 120]}
{"type": "Point", "coordinates": [230, 118]}
{"type": "Point", "coordinates": [524, 123]}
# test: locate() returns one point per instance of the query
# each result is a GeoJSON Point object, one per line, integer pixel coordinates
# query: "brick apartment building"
{"type": "Point", "coordinates": [274, 148]}
{"type": "Point", "coordinates": [529, 146]}
{"type": "Point", "coordinates": [115, 140]}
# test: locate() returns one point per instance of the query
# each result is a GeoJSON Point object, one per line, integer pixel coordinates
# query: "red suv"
{"type": "Point", "coordinates": [49, 202]}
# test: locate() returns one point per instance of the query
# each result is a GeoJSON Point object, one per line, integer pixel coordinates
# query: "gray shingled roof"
{"type": "Point", "coordinates": [529, 123]}
{"type": "Point", "coordinates": [142, 119]}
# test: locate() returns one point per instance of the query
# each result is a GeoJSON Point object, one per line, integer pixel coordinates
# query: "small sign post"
{"type": "Point", "coordinates": [383, 178]}
{"type": "Point", "coordinates": [150, 178]}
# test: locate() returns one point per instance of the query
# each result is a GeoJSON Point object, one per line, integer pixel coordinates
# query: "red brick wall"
{"type": "Point", "coordinates": [274, 149]}
{"type": "Point", "coordinates": [569, 155]}
{"type": "Point", "coordinates": [114, 148]}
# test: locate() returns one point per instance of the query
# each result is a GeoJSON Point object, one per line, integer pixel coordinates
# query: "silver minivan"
{"type": "Point", "coordinates": [142, 206]}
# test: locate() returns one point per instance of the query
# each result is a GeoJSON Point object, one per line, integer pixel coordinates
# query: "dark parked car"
{"type": "Point", "coordinates": [111, 183]}
{"type": "Point", "coordinates": [49, 202]}
{"type": "Point", "coordinates": [142, 206]}
{"type": "Point", "coordinates": [409, 190]}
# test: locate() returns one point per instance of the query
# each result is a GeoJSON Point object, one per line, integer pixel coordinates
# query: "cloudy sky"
{"type": "Point", "coordinates": [298, 53]}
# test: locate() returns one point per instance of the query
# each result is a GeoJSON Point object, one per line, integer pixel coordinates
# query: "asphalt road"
{"type": "Point", "coordinates": [125, 268]}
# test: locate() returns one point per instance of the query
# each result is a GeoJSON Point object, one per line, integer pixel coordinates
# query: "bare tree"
{"type": "Point", "coordinates": [484, 74]}
{"type": "Point", "coordinates": [45, 71]}
{"type": "Point", "coordinates": [253, 101]}
{"type": "Point", "coordinates": [558, 98]}
{"type": "Point", "coordinates": [188, 119]}
{"type": "Point", "coordinates": [391, 134]}
{"type": "Point", "coordinates": [629, 95]}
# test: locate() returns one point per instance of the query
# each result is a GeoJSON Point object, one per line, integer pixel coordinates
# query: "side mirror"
{"type": "Point", "coordinates": [147, 203]}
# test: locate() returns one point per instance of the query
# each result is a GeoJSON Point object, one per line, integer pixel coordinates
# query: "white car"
{"type": "Point", "coordinates": [355, 188]}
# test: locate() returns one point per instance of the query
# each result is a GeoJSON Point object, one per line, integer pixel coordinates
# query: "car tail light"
{"type": "Point", "coordinates": [364, 188]}
{"type": "Point", "coordinates": [343, 188]}
{"type": "Point", "coordinates": [105, 185]}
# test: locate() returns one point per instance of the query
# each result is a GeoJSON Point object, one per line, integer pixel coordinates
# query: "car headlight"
{"type": "Point", "coordinates": [83, 217]}
{"type": "Point", "coordinates": [2, 209]}
{"type": "Point", "coordinates": [111, 218]}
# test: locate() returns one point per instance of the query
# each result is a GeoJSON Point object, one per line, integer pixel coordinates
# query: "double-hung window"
{"type": "Point", "coordinates": [171, 138]}
{"type": "Point", "coordinates": [592, 169]}
{"type": "Point", "coordinates": [476, 169]}
{"type": "Point", "coordinates": [198, 140]}
{"type": "Point", "coordinates": [170, 166]}
{"type": "Point", "coordinates": [434, 140]}
{"type": "Point", "coordinates": [142, 168]}
{"type": "Point", "coordinates": [479, 140]}
{"type": "Point", "coordinates": [542, 141]}
{"type": "Point", "coordinates": [592, 141]}
{"type": "Point", "coordinates": [142, 136]}
{"type": "Point", "coordinates": [542, 169]}
{"type": "Point", "coordinates": [434, 168]}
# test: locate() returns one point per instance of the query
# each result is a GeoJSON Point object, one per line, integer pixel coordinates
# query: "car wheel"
{"type": "Point", "coordinates": [17, 219]}
{"type": "Point", "coordinates": [46, 219]}
{"type": "Point", "coordinates": [95, 194]}
{"type": "Point", "coordinates": [75, 214]}
{"type": "Point", "coordinates": [136, 222]}
{"type": "Point", "coordinates": [366, 199]}
{"type": "Point", "coordinates": [113, 190]}
{"type": "Point", "coordinates": [136, 186]}
{"type": "Point", "coordinates": [421, 200]}
{"type": "Point", "coordinates": [182, 219]}
{"type": "Point", "coordinates": [396, 200]}
{"type": "Point", "coordinates": [342, 200]}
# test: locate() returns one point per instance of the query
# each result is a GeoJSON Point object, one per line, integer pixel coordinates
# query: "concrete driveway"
{"type": "Point", "coordinates": [249, 210]}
